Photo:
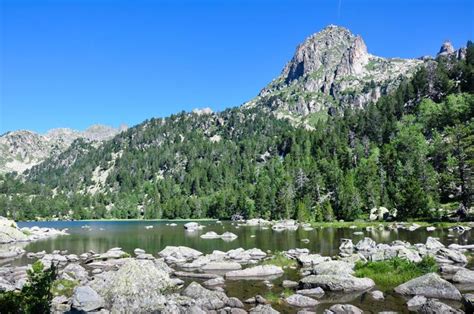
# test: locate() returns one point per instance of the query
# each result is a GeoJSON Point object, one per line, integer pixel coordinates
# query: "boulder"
{"type": "Point", "coordinates": [415, 302]}
{"type": "Point", "coordinates": [260, 271]}
{"type": "Point", "coordinates": [206, 299]}
{"type": "Point", "coordinates": [179, 254]}
{"type": "Point", "coordinates": [210, 235]}
{"type": "Point", "coordinates": [263, 309]}
{"type": "Point", "coordinates": [434, 306]}
{"type": "Point", "coordinates": [9, 231]}
{"type": "Point", "coordinates": [445, 255]}
{"type": "Point", "coordinates": [432, 244]}
{"type": "Point", "coordinates": [312, 259]}
{"type": "Point", "coordinates": [289, 284]}
{"type": "Point", "coordinates": [138, 286]}
{"type": "Point", "coordinates": [343, 283]}
{"type": "Point", "coordinates": [333, 268]}
{"type": "Point", "coordinates": [317, 292]}
{"type": "Point", "coordinates": [219, 281]}
{"type": "Point", "coordinates": [343, 309]}
{"type": "Point", "coordinates": [378, 213]}
{"type": "Point", "coordinates": [468, 301]}
{"type": "Point", "coordinates": [74, 272]}
{"type": "Point", "coordinates": [221, 266]}
{"type": "Point", "coordinates": [366, 245]}
{"type": "Point", "coordinates": [299, 300]}
{"type": "Point", "coordinates": [464, 276]}
{"type": "Point", "coordinates": [191, 226]}
{"type": "Point", "coordinates": [228, 236]}
{"type": "Point", "coordinates": [86, 299]}
{"type": "Point", "coordinates": [431, 286]}
{"type": "Point", "coordinates": [377, 295]}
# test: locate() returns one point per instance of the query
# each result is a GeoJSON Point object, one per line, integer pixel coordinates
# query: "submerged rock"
{"type": "Point", "coordinates": [431, 286]}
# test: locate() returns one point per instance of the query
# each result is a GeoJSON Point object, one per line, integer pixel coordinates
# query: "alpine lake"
{"type": "Point", "coordinates": [153, 236]}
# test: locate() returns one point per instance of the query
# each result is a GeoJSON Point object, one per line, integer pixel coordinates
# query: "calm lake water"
{"type": "Point", "coordinates": [103, 235]}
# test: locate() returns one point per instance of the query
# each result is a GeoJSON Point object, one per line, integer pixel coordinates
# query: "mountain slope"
{"type": "Point", "coordinates": [411, 150]}
{"type": "Point", "coordinates": [21, 150]}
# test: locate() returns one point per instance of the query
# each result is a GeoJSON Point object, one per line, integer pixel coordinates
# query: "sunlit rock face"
{"type": "Point", "coordinates": [332, 70]}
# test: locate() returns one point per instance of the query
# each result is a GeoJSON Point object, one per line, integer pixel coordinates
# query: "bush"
{"type": "Point", "coordinates": [36, 295]}
{"type": "Point", "coordinates": [393, 272]}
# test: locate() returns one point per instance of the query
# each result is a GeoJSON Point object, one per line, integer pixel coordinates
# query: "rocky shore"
{"type": "Point", "coordinates": [180, 279]}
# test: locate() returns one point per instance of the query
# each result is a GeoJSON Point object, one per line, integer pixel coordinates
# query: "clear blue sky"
{"type": "Point", "coordinates": [75, 63]}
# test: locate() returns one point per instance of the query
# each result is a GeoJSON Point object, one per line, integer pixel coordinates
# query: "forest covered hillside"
{"type": "Point", "coordinates": [369, 132]}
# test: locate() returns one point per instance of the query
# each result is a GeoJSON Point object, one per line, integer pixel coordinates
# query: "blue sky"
{"type": "Point", "coordinates": [75, 63]}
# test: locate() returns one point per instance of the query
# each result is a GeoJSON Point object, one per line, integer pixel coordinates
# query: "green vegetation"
{"type": "Point", "coordinates": [63, 287]}
{"type": "Point", "coordinates": [274, 297]}
{"type": "Point", "coordinates": [391, 273]}
{"type": "Point", "coordinates": [36, 295]}
{"type": "Point", "coordinates": [280, 259]}
{"type": "Point", "coordinates": [412, 150]}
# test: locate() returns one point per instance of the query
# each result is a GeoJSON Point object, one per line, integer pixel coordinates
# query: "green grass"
{"type": "Point", "coordinates": [280, 259]}
{"type": "Point", "coordinates": [63, 287]}
{"type": "Point", "coordinates": [275, 297]}
{"type": "Point", "coordinates": [391, 273]}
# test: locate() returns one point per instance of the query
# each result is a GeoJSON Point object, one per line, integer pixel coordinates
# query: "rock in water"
{"type": "Point", "coordinates": [344, 283]}
{"type": "Point", "coordinates": [343, 309]}
{"type": "Point", "coordinates": [255, 272]}
{"type": "Point", "coordinates": [431, 286]}
{"type": "Point", "coordinates": [435, 306]}
{"type": "Point", "coordinates": [299, 300]}
{"type": "Point", "coordinates": [464, 276]}
{"type": "Point", "coordinates": [138, 286]}
{"type": "Point", "coordinates": [86, 299]}
{"type": "Point", "coordinates": [206, 299]}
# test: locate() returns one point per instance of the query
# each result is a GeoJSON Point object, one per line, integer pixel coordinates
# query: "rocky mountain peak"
{"type": "Point", "coordinates": [22, 149]}
{"type": "Point", "coordinates": [330, 70]}
{"type": "Point", "coordinates": [446, 48]}
{"type": "Point", "coordinates": [326, 49]}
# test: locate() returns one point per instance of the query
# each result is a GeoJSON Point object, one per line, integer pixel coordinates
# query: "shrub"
{"type": "Point", "coordinates": [36, 294]}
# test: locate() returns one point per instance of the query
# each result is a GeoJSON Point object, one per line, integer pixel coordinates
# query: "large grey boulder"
{"type": "Point", "coordinates": [260, 271]}
{"type": "Point", "coordinates": [74, 272]}
{"type": "Point", "coordinates": [432, 244]}
{"type": "Point", "coordinates": [179, 254]}
{"type": "Point", "coordinates": [464, 276]}
{"type": "Point", "coordinates": [86, 299]}
{"type": "Point", "coordinates": [345, 283]}
{"type": "Point", "coordinates": [206, 299]}
{"type": "Point", "coordinates": [9, 231]}
{"type": "Point", "coordinates": [431, 286]}
{"type": "Point", "coordinates": [333, 268]}
{"type": "Point", "coordinates": [366, 245]}
{"type": "Point", "coordinates": [138, 286]}
{"type": "Point", "coordinates": [221, 266]}
{"type": "Point", "coordinates": [343, 309]}
{"type": "Point", "coordinates": [263, 309]}
{"type": "Point", "coordinates": [445, 255]}
{"type": "Point", "coordinates": [299, 300]}
{"type": "Point", "coordinates": [434, 306]}
{"type": "Point", "coordinates": [312, 259]}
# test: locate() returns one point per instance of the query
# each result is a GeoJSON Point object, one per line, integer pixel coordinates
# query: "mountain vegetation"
{"type": "Point", "coordinates": [411, 148]}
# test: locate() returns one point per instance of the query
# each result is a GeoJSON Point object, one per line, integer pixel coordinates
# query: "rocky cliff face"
{"type": "Point", "coordinates": [332, 70]}
{"type": "Point", "coordinates": [21, 150]}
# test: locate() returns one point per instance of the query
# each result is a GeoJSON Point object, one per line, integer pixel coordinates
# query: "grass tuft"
{"type": "Point", "coordinates": [393, 272]}
{"type": "Point", "coordinates": [280, 259]}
